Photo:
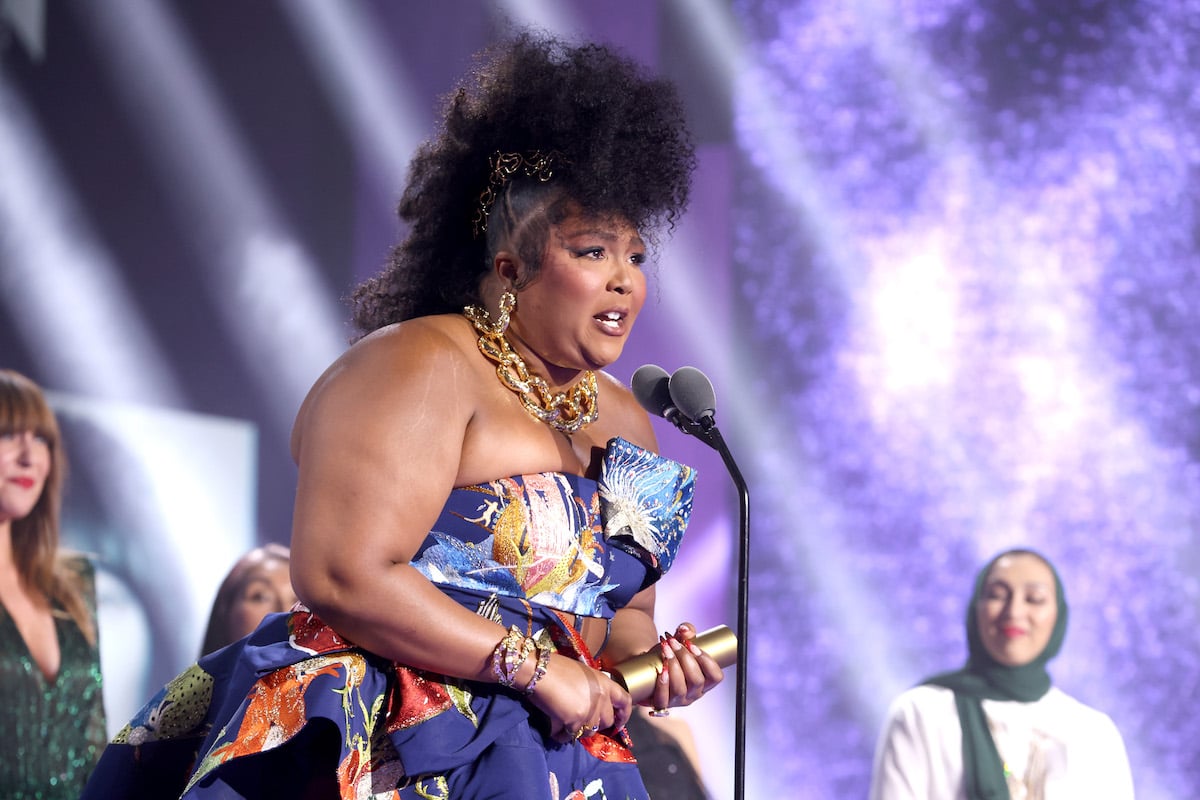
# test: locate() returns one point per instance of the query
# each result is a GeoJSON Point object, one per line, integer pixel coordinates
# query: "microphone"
{"type": "Point", "coordinates": [649, 384]}
{"type": "Point", "coordinates": [688, 401]}
{"type": "Point", "coordinates": [651, 387]}
{"type": "Point", "coordinates": [692, 393]}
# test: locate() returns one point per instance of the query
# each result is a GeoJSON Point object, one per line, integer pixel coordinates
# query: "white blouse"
{"type": "Point", "coordinates": [1056, 748]}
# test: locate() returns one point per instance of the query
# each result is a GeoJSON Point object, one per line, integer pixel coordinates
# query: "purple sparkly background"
{"type": "Point", "coordinates": [972, 228]}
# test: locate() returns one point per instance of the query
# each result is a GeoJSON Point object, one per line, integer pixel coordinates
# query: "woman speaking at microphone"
{"type": "Point", "coordinates": [481, 516]}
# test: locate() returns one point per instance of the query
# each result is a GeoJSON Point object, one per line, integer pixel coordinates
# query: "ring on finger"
{"type": "Point", "coordinates": [579, 733]}
{"type": "Point", "coordinates": [660, 712]}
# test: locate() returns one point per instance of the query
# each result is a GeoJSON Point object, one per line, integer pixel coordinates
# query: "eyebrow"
{"type": "Point", "coordinates": [256, 580]}
{"type": "Point", "coordinates": [1027, 585]}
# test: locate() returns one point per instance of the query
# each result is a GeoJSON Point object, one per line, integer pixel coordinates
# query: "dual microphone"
{"type": "Point", "coordinates": [685, 399]}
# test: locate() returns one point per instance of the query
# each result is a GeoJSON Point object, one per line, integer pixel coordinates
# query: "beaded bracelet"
{"type": "Point", "coordinates": [510, 655]}
{"type": "Point", "coordinates": [545, 648]}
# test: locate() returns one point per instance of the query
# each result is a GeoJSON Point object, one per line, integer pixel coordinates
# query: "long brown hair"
{"type": "Point", "coordinates": [35, 538]}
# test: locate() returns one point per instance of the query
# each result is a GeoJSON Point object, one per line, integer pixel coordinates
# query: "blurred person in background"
{"type": "Point", "coordinates": [997, 728]}
{"type": "Point", "coordinates": [51, 699]}
{"type": "Point", "coordinates": [258, 584]}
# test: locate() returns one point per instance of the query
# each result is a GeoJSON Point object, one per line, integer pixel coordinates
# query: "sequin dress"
{"type": "Point", "coordinates": [51, 733]}
{"type": "Point", "coordinates": [294, 710]}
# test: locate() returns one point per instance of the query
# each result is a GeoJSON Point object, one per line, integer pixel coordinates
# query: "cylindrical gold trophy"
{"type": "Point", "coordinates": [638, 674]}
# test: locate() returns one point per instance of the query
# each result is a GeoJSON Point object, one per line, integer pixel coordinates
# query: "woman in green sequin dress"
{"type": "Point", "coordinates": [51, 705]}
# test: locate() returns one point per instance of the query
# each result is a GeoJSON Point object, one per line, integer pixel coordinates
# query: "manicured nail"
{"type": "Point", "coordinates": [675, 643]}
{"type": "Point", "coordinates": [667, 651]}
{"type": "Point", "coordinates": [664, 677]}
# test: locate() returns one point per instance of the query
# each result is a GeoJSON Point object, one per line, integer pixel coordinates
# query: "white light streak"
{"type": "Point", "coordinates": [60, 285]}
{"type": "Point", "coordinates": [909, 322]}
{"type": "Point", "coordinates": [280, 314]}
{"type": "Point", "coordinates": [378, 109]}
{"type": "Point", "coordinates": [547, 15]}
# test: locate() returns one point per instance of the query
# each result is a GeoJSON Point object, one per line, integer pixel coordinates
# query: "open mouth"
{"type": "Point", "coordinates": [611, 320]}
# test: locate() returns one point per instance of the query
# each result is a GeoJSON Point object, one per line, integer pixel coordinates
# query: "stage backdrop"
{"type": "Point", "coordinates": [941, 265]}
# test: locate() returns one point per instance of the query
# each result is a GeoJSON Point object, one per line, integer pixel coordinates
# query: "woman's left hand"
{"type": "Point", "coordinates": [688, 672]}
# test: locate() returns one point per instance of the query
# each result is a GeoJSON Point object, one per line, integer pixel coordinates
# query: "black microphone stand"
{"type": "Point", "coordinates": [706, 431]}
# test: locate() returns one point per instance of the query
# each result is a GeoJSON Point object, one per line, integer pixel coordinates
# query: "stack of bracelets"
{"type": "Point", "coordinates": [510, 655]}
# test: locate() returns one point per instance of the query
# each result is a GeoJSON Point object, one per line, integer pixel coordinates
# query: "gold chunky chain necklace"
{"type": "Point", "coordinates": [569, 411]}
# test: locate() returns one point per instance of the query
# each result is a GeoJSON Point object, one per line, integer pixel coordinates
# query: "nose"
{"type": "Point", "coordinates": [1016, 607]}
{"type": "Point", "coordinates": [25, 441]}
{"type": "Point", "coordinates": [622, 280]}
{"type": "Point", "coordinates": [1008, 610]}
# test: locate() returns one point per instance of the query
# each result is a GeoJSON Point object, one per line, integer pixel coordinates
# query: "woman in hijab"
{"type": "Point", "coordinates": [998, 728]}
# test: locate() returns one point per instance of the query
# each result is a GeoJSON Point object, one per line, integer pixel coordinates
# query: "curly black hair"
{"type": "Point", "coordinates": [620, 134]}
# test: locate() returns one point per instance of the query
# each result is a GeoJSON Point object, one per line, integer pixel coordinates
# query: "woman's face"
{"type": "Point", "coordinates": [578, 310]}
{"type": "Point", "coordinates": [24, 466]}
{"type": "Point", "coordinates": [1018, 609]}
{"type": "Point", "coordinates": [266, 590]}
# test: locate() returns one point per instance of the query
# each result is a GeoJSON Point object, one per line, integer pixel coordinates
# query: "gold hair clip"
{"type": "Point", "coordinates": [504, 165]}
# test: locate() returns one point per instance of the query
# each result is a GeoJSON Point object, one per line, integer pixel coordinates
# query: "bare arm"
{"type": "Point", "coordinates": [379, 446]}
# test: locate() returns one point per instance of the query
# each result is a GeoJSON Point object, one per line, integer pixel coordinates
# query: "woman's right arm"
{"type": "Point", "coordinates": [378, 444]}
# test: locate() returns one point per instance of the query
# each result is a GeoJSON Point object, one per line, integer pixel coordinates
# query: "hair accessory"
{"type": "Point", "coordinates": [535, 164]}
{"type": "Point", "coordinates": [568, 411]}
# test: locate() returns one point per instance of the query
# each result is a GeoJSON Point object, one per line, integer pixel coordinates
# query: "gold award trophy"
{"type": "Point", "coordinates": [638, 674]}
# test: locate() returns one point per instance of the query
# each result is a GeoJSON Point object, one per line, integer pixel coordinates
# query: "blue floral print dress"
{"type": "Point", "coordinates": [294, 710]}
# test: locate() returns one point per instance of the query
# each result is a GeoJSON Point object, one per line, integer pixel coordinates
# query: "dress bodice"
{"type": "Point", "coordinates": [568, 542]}
{"type": "Point", "coordinates": [53, 730]}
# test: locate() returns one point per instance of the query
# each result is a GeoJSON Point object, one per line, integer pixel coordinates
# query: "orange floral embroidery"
{"type": "Point", "coordinates": [276, 708]}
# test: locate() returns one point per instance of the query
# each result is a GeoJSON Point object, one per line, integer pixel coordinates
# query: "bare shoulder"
{"type": "Point", "coordinates": [401, 366]}
{"type": "Point", "coordinates": [623, 414]}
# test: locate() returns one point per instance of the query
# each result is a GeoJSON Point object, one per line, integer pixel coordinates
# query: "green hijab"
{"type": "Point", "coordinates": [983, 678]}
